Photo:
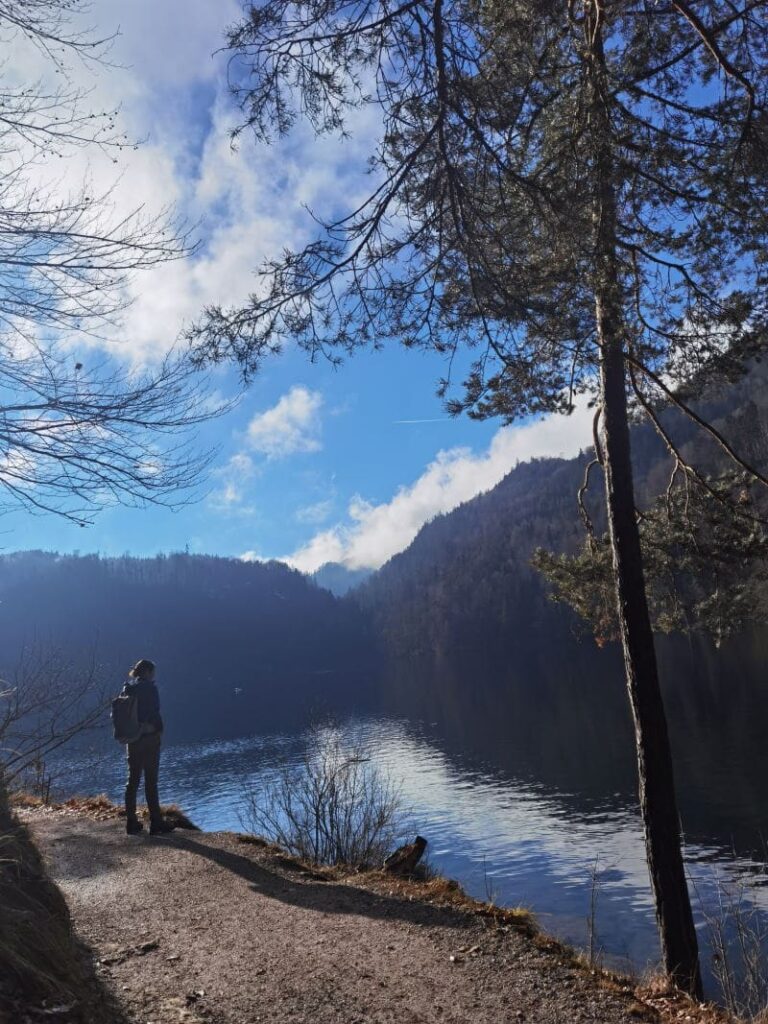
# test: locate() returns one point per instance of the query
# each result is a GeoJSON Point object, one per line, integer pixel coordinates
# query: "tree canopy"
{"type": "Point", "coordinates": [479, 228]}
{"type": "Point", "coordinates": [480, 232]}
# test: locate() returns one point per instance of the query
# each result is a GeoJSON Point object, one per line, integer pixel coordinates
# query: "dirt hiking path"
{"type": "Point", "coordinates": [201, 927]}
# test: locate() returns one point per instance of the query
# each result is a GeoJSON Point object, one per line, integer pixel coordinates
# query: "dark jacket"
{"type": "Point", "coordinates": [148, 702]}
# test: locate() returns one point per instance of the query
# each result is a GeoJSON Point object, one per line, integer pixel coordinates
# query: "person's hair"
{"type": "Point", "coordinates": [142, 669]}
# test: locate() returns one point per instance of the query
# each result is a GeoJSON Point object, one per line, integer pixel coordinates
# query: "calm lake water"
{"type": "Point", "coordinates": [524, 795]}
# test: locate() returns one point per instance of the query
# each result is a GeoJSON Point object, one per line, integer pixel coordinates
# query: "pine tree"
{"type": "Point", "coordinates": [575, 191]}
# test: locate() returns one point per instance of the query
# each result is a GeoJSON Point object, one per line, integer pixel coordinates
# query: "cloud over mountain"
{"type": "Point", "coordinates": [373, 533]}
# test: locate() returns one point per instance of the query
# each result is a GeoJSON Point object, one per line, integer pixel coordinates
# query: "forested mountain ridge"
{"type": "Point", "coordinates": [466, 582]}
{"type": "Point", "coordinates": [465, 577]}
{"type": "Point", "coordinates": [239, 645]}
{"type": "Point", "coordinates": [242, 646]}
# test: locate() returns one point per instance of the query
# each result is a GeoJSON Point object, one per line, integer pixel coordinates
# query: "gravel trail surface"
{"type": "Point", "coordinates": [201, 927]}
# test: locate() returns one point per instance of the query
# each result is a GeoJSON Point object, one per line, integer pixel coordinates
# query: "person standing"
{"type": "Point", "coordinates": [144, 752]}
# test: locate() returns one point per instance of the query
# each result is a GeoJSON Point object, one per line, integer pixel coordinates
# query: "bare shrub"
{"type": "Point", "coordinates": [332, 807]}
{"type": "Point", "coordinates": [594, 951]}
{"type": "Point", "coordinates": [738, 936]}
{"type": "Point", "coordinates": [44, 704]}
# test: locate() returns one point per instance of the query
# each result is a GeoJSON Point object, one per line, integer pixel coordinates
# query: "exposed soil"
{"type": "Point", "coordinates": [196, 927]}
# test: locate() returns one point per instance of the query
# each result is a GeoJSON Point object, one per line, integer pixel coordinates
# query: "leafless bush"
{"type": "Point", "coordinates": [593, 949]}
{"type": "Point", "coordinates": [333, 807]}
{"type": "Point", "coordinates": [43, 705]}
{"type": "Point", "coordinates": [738, 935]}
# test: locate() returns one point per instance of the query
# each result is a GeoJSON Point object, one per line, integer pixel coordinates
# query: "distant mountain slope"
{"type": "Point", "coordinates": [338, 578]}
{"type": "Point", "coordinates": [465, 582]}
{"type": "Point", "coordinates": [247, 646]}
{"type": "Point", "coordinates": [239, 646]}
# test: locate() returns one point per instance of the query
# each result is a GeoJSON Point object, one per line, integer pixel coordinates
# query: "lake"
{"type": "Point", "coordinates": [526, 793]}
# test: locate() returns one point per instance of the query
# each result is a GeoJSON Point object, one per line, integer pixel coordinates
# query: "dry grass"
{"type": "Point", "coordinates": [445, 892]}
{"type": "Point", "coordinates": [100, 808]}
{"type": "Point", "coordinates": [172, 813]}
{"type": "Point", "coordinates": [673, 1005]}
{"type": "Point", "coordinates": [21, 800]}
{"type": "Point", "coordinates": [247, 839]}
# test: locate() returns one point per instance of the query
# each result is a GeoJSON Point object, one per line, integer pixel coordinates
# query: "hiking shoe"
{"type": "Point", "coordinates": [160, 828]}
{"type": "Point", "coordinates": [133, 827]}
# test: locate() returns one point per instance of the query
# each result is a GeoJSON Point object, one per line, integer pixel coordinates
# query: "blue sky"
{"type": "Point", "coordinates": [314, 464]}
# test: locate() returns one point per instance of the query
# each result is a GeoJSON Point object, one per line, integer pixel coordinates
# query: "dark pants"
{"type": "Point", "coordinates": [143, 757]}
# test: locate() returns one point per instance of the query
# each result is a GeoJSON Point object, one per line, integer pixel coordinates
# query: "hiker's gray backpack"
{"type": "Point", "coordinates": [125, 718]}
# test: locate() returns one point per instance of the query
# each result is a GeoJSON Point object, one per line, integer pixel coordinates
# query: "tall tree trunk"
{"type": "Point", "coordinates": [658, 803]}
{"type": "Point", "coordinates": [654, 758]}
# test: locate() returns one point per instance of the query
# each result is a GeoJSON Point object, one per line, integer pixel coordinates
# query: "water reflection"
{"type": "Point", "coordinates": [565, 726]}
{"type": "Point", "coordinates": [520, 771]}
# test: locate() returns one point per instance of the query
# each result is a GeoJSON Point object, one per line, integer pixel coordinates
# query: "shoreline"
{"type": "Point", "coordinates": [490, 934]}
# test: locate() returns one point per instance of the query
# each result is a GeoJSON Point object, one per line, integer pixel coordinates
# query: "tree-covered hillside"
{"type": "Point", "coordinates": [466, 581]}
{"type": "Point", "coordinates": [244, 646]}
{"type": "Point", "coordinates": [239, 646]}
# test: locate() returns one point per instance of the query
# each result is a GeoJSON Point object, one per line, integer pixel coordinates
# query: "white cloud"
{"type": "Point", "coordinates": [373, 533]}
{"type": "Point", "coordinates": [229, 498]}
{"type": "Point", "coordinates": [230, 494]}
{"type": "Point", "coordinates": [316, 513]}
{"type": "Point", "coordinates": [171, 89]}
{"type": "Point", "coordinates": [290, 426]}
{"type": "Point", "coordinates": [249, 205]}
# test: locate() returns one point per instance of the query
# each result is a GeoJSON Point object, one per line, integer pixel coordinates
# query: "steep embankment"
{"type": "Point", "coordinates": [203, 927]}
{"type": "Point", "coordinates": [45, 973]}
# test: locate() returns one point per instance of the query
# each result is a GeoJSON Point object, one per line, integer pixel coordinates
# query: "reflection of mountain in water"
{"type": "Point", "coordinates": [566, 727]}
{"type": "Point", "coordinates": [473, 641]}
